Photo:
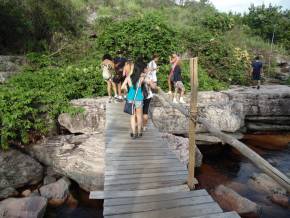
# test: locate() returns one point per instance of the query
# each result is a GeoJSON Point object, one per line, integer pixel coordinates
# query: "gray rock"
{"type": "Point", "coordinates": [82, 162]}
{"type": "Point", "coordinates": [92, 120]}
{"type": "Point", "coordinates": [9, 66]}
{"type": "Point", "coordinates": [227, 110]}
{"type": "Point", "coordinates": [30, 207]}
{"type": "Point", "coordinates": [18, 170]}
{"type": "Point", "coordinates": [180, 146]}
{"type": "Point", "coordinates": [57, 191]}
{"type": "Point", "coordinates": [282, 76]}
{"type": "Point", "coordinates": [8, 192]}
{"type": "Point", "coordinates": [232, 201]}
{"type": "Point", "coordinates": [264, 183]}
{"type": "Point", "coordinates": [48, 179]}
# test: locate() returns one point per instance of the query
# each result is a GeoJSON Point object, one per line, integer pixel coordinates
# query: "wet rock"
{"type": "Point", "coordinates": [180, 146]}
{"type": "Point", "coordinates": [231, 200]}
{"type": "Point", "coordinates": [92, 120]}
{"type": "Point", "coordinates": [264, 183]}
{"type": "Point", "coordinates": [56, 193]}
{"type": "Point", "coordinates": [80, 158]}
{"type": "Point", "coordinates": [31, 207]}
{"type": "Point", "coordinates": [26, 193]}
{"type": "Point", "coordinates": [18, 170]}
{"type": "Point", "coordinates": [48, 179]}
{"type": "Point", "coordinates": [281, 200]}
{"type": "Point", "coordinates": [8, 192]}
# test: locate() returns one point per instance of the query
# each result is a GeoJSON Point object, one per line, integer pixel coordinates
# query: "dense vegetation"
{"type": "Point", "coordinates": [63, 61]}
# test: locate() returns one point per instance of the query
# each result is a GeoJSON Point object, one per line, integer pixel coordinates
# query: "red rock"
{"type": "Point", "coordinates": [26, 193]}
{"type": "Point", "coordinates": [232, 201]}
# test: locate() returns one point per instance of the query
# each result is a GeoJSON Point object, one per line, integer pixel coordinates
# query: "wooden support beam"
{"type": "Point", "coordinates": [192, 123]}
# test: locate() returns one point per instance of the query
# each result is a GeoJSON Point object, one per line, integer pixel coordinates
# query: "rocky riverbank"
{"type": "Point", "coordinates": [49, 166]}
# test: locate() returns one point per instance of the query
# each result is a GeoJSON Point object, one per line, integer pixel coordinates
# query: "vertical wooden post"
{"type": "Point", "coordinates": [192, 124]}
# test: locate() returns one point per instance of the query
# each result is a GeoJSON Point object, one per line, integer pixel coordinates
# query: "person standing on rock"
{"type": "Point", "coordinates": [257, 69]}
{"type": "Point", "coordinates": [173, 59]}
{"type": "Point", "coordinates": [150, 83]}
{"type": "Point", "coordinates": [118, 78]}
{"type": "Point", "coordinates": [135, 95]}
{"type": "Point", "coordinates": [108, 72]}
{"type": "Point", "coordinates": [178, 84]}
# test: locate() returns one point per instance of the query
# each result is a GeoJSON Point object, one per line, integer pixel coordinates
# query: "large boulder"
{"type": "Point", "coordinates": [80, 158]}
{"type": "Point", "coordinates": [180, 146]}
{"type": "Point", "coordinates": [231, 111]}
{"type": "Point", "coordinates": [30, 207]}
{"type": "Point", "coordinates": [8, 192]}
{"type": "Point", "coordinates": [231, 200]}
{"type": "Point", "coordinates": [90, 121]}
{"type": "Point", "coordinates": [264, 183]}
{"type": "Point", "coordinates": [57, 192]}
{"type": "Point", "coordinates": [18, 170]}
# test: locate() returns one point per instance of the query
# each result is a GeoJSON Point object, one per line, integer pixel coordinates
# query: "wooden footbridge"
{"type": "Point", "coordinates": [143, 179]}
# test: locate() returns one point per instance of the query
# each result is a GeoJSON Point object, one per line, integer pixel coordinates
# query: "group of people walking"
{"type": "Point", "coordinates": [136, 82]}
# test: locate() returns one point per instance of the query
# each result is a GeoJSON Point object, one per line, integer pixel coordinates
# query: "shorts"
{"type": "Point", "coordinates": [138, 104]}
{"type": "Point", "coordinates": [179, 85]}
{"type": "Point", "coordinates": [117, 79]}
{"type": "Point", "coordinates": [146, 105]}
{"type": "Point", "coordinates": [256, 76]}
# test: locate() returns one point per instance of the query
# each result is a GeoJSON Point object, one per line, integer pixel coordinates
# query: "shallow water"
{"type": "Point", "coordinates": [232, 169]}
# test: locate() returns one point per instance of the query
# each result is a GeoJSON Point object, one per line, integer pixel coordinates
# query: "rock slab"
{"type": "Point", "coordinates": [231, 200]}
{"type": "Point", "coordinates": [30, 207]}
{"type": "Point", "coordinates": [18, 170]}
{"type": "Point", "coordinates": [80, 158]}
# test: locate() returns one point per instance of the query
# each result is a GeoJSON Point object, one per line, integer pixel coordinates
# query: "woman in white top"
{"type": "Point", "coordinates": [150, 83]}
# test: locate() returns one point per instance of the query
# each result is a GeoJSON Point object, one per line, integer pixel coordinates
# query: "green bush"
{"type": "Point", "coordinates": [141, 36]}
{"type": "Point", "coordinates": [30, 99]}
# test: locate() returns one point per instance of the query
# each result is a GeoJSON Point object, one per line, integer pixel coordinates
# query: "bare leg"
{"type": "Point", "coordinates": [145, 119]}
{"type": "Point", "coordinates": [119, 89]}
{"type": "Point", "coordinates": [133, 123]}
{"type": "Point", "coordinates": [114, 88]}
{"type": "Point", "coordinates": [169, 83]}
{"type": "Point", "coordinates": [109, 88]}
{"type": "Point", "coordinates": [139, 113]}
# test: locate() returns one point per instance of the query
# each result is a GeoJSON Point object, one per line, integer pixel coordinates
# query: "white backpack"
{"type": "Point", "coordinates": [107, 71]}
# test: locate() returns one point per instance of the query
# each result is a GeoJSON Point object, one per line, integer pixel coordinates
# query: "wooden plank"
{"type": "Point", "coordinates": [140, 166]}
{"type": "Point", "coordinates": [144, 186]}
{"type": "Point", "coordinates": [186, 211]}
{"type": "Point", "coordinates": [116, 181]}
{"type": "Point", "coordinates": [143, 154]}
{"type": "Point", "coordinates": [165, 161]}
{"type": "Point", "coordinates": [154, 198]}
{"type": "Point", "coordinates": [99, 195]}
{"type": "Point", "coordinates": [159, 205]}
{"type": "Point", "coordinates": [146, 175]}
{"type": "Point", "coordinates": [137, 193]}
{"type": "Point", "coordinates": [145, 170]}
{"type": "Point", "coordinates": [220, 215]}
{"type": "Point", "coordinates": [141, 158]}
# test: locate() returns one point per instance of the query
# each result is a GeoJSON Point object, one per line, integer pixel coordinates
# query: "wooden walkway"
{"type": "Point", "coordinates": [143, 179]}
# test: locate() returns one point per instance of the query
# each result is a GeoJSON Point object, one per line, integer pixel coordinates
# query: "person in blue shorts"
{"type": "Point", "coordinates": [257, 67]}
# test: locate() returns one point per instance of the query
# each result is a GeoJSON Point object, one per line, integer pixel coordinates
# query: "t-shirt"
{"type": "Point", "coordinates": [177, 74]}
{"type": "Point", "coordinates": [257, 66]}
{"type": "Point", "coordinates": [152, 76]}
{"type": "Point", "coordinates": [152, 73]}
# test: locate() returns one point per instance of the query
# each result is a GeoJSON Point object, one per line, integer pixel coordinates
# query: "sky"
{"type": "Point", "coordinates": [243, 5]}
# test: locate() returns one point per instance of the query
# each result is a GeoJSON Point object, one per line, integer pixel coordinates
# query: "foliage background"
{"type": "Point", "coordinates": [64, 50]}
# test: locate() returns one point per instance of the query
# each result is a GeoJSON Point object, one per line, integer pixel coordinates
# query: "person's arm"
{"type": "Point", "coordinates": [124, 85]}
